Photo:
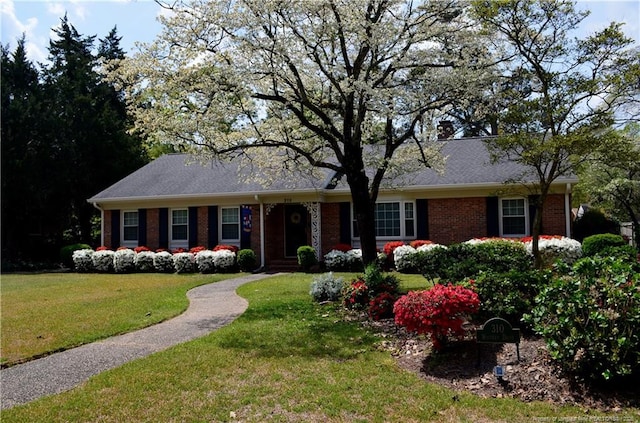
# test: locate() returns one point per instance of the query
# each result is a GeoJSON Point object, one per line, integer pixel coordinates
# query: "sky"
{"type": "Point", "coordinates": [136, 20]}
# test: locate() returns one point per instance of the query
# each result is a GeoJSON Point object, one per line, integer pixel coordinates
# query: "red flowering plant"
{"type": "Point", "coordinates": [342, 247]}
{"type": "Point", "coordinates": [439, 311]}
{"type": "Point", "coordinates": [419, 243]}
{"type": "Point", "coordinates": [102, 248]}
{"type": "Point", "coordinates": [356, 294]}
{"type": "Point", "coordinates": [141, 249]}
{"type": "Point", "coordinates": [381, 306]}
{"type": "Point", "coordinates": [196, 250]}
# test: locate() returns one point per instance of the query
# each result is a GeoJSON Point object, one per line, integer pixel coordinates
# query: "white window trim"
{"type": "Point", "coordinates": [526, 217]}
{"type": "Point", "coordinates": [232, 240]}
{"type": "Point", "coordinates": [178, 243]}
{"type": "Point", "coordinates": [403, 236]}
{"type": "Point", "coordinates": [128, 243]}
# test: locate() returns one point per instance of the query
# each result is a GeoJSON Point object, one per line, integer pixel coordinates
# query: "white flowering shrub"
{"type": "Point", "coordinates": [354, 258]}
{"type": "Point", "coordinates": [103, 261]}
{"type": "Point", "coordinates": [184, 262]}
{"type": "Point", "coordinates": [205, 262]}
{"type": "Point", "coordinates": [402, 258]}
{"type": "Point", "coordinates": [557, 248]}
{"type": "Point", "coordinates": [326, 287]}
{"type": "Point", "coordinates": [144, 261]}
{"type": "Point", "coordinates": [429, 247]}
{"type": "Point", "coordinates": [124, 261]}
{"type": "Point", "coordinates": [163, 262]}
{"type": "Point", "coordinates": [82, 260]}
{"type": "Point", "coordinates": [224, 260]}
{"type": "Point", "coordinates": [336, 260]}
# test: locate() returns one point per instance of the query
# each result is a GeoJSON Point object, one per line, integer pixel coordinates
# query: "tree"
{"type": "Point", "coordinates": [348, 86]}
{"type": "Point", "coordinates": [571, 91]}
{"type": "Point", "coordinates": [612, 180]}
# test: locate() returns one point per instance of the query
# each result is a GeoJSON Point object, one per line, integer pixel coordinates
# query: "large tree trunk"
{"type": "Point", "coordinates": [536, 231]}
{"type": "Point", "coordinates": [364, 210]}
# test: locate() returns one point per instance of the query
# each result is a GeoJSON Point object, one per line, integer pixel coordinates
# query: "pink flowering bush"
{"type": "Point", "coordinates": [439, 312]}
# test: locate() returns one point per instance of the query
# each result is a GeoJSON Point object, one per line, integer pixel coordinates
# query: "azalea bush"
{"type": "Point", "coordinates": [402, 259]}
{"type": "Point", "coordinates": [553, 248]}
{"type": "Point", "coordinates": [339, 260]}
{"type": "Point", "coordinates": [205, 261]}
{"type": "Point", "coordinates": [144, 261]}
{"type": "Point", "coordinates": [82, 260]}
{"type": "Point", "coordinates": [124, 260]}
{"type": "Point", "coordinates": [439, 312]}
{"type": "Point", "coordinates": [381, 306]}
{"type": "Point", "coordinates": [590, 319]}
{"type": "Point", "coordinates": [184, 262]}
{"type": "Point", "coordinates": [224, 260]}
{"type": "Point", "coordinates": [326, 287]}
{"type": "Point", "coordinates": [356, 294]}
{"type": "Point", "coordinates": [103, 261]}
{"type": "Point", "coordinates": [163, 262]}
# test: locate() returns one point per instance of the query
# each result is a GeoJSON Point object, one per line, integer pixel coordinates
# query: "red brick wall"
{"type": "Point", "coordinates": [153, 229]}
{"type": "Point", "coordinates": [554, 216]}
{"type": "Point", "coordinates": [453, 220]}
{"type": "Point", "coordinates": [330, 226]}
{"type": "Point", "coordinates": [107, 229]}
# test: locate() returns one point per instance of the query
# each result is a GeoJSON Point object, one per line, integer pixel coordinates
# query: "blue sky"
{"type": "Point", "coordinates": [136, 20]}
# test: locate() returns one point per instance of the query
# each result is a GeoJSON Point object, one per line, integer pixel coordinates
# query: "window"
{"type": "Point", "coordinates": [230, 230]}
{"type": "Point", "coordinates": [393, 220]}
{"type": "Point", "coordinates": [513, 217]}
{"type": "Point", "coordinates": [179, 225]}
{"type": "Point", "coordinates": [130, 227]}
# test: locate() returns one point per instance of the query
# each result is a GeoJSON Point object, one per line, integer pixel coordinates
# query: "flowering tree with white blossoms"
{"type": "Point", "coordinates": [347, 86]}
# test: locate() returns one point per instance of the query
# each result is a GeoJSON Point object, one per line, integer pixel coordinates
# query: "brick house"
{"type": "Point", "coordinates": [178, 202]}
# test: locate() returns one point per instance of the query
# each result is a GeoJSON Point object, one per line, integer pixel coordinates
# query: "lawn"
{"type": "Point", "coordinates": [42, 313]}
{"type": "Point", "coordinates": [286, 359]}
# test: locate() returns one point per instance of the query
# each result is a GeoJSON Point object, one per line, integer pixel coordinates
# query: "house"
{"type": "Point", "coordinates": [177, 202]}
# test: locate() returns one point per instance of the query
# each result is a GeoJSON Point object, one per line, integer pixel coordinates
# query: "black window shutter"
{"type": "Point", "coordinates": [422, 219]}
{"type": "Point", "coordinates": [493, 217]}
{"type": "Point", "coordinates": [163, 230]}
{"type": "Point", "coordinates": [115, 229]}
{"type": "Point", "coordinates": [345, 223]}
{"type": "Point", "coordinates": [193, 227]}
{"type": "Point", "coordinates": [142, 227]}
{"type": "Point", "coordinates": [212, 222]}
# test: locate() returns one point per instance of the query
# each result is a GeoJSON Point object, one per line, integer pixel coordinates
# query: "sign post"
{"type": "Point", "coordinates": [498, 331]}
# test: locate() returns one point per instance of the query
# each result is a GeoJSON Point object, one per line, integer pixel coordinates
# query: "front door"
{"type": "Point", "coordinates": [295, 228]}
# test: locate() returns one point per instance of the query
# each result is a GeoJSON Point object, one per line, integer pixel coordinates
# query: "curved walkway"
{"type": "Point", "coordinates": [210, 307]}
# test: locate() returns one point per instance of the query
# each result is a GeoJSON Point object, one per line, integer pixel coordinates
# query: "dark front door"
{"type": "Point", "coordinates": [295, 228]}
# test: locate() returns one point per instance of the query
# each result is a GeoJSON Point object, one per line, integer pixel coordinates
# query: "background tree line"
{"type": "Point", "coordinates": [64, 138]}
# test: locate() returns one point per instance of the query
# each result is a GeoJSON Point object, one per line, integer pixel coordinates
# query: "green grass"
{"type": "Point", "coordinates": [286, 359]}
{"type": "Point", "coordinates": [42, 313]}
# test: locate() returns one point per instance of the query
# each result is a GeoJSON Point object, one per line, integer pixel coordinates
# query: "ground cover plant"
{"type": "Point", "coordinates": [286, 359]}
{"type": "Point", "coordinates": [42, 313]}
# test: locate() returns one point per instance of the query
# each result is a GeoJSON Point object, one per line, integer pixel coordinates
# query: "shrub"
{"type": "Point", "coordinates": [419, 243]}
{"type": "Point", "coordinates": [205, 262]}
{"type": "Point", "coordinates": [196, 250]}
{"type": "Point", "coordinates": [508, 295]}
{"type": "Point", "coordinates": [231, 248]}
{"type": "Point", "coordinates": [66, 253]}
{"type": "Point", "coordinates": [224, 260]}
{"type": "Point", "coordinates": [381, 306]}
{"type": "Point", "coordinates": [184, 262]}
{"type": "Point", "coordinates": [402, 259]}
{"type": "Point", "coordinates": [342, 247]}
{"type": "Point", "coordinates": [439, 311]}
{"type": "Point", "coordinates": [247, 260]}
{"type": "Point", "coordinates": [144, 261]}
{"type": "Point", "coordinates": [354, 258]}
{"type": "Point", "coordinates": [82, 260]}
{"type": "Point", "coordinates": [432, 262]}
{"type": "Point", "coordinates": [593, 222]}
{"type": "Point", "coordinates": [378, 283]}
{"type": "Point", "coordinates": [141, 249]}
{"type": "Point", "coordinates": [163, 262]}
{"type": "Point", "coordinates": [595, 244]}
{"type": "Point", "coordinates": [390, 247]}
{"type": "Point", "coordinates": [124, 260]}
{"type": "Point", "coordinates": [336, 260]}
{"type": "Point", "coordinates": [103, 261]}
{"type": "Point", "coordinates": [326, 287]}
{"type": "Point", "coordinates": [590, 319]}
{"type": "Point", "coordinates": [307, 257]}
{"type": "Point", "coordinates": [356, 294]}
{"type": "Point", "coordinates": [553, 248]}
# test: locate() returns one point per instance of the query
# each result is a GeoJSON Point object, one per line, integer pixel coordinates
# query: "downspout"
{"type": "Point", "coordinates": [567, 210]}
{"type": "Point", "coordinates": [262, 242]}
{"type": "Point", "coordinates": [101, 222]}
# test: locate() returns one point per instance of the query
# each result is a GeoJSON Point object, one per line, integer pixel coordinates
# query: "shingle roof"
{"type": "Point", "coordinates": [174, 175]}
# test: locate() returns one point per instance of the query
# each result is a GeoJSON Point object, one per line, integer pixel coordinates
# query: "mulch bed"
{"type": "Point", "coordinates": [468, 366]}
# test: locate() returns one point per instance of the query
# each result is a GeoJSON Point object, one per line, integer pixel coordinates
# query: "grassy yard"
{"type": "Point", "coordinates": [42, 313]}
{"type": "Point", "coordinates": [285, 359]}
